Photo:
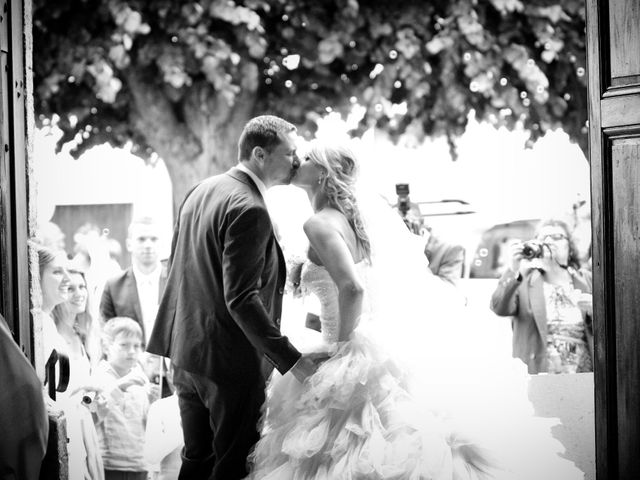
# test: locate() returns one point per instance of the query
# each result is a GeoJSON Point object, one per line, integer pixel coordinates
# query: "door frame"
{"type": "Point", "coordinates": [16, 217]}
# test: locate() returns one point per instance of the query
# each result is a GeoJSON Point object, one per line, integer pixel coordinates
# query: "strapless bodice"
{"type": "Point", "coordinates": [315, 280]}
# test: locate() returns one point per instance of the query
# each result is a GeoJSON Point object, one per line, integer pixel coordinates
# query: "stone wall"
{"type": "Point", "coordinates": [571, 399]}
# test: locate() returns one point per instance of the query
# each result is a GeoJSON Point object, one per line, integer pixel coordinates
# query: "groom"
{"type": "Point", "coordinates": [219, 318]}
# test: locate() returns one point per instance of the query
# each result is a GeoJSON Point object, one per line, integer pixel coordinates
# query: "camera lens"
{"type": "Point", "coordinates": [531, 250]}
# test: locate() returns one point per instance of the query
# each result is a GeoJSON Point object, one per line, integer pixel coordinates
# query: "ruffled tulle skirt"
{"type": "Point", "coordinates": [362, 415]}
{"type": "Point", "coordinates": [352, 419]}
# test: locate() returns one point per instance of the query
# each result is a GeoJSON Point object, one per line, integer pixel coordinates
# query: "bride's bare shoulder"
{"type": "Point", "coordinates": [327, 218]}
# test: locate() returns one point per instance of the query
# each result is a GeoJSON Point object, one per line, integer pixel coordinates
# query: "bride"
{"type": "Point", "coordinates": [406, 392]}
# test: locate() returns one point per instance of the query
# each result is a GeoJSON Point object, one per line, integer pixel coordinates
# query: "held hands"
{"type": "Point", "coordinates": [308, 364]}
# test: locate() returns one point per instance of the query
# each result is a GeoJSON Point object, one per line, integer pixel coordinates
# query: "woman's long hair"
{"type": "Point", "coordinates": [45, 256]}
{"type": "Point", "coordinates": [340, 169]}
{"type": "Point", "coordinates": [87, 330]}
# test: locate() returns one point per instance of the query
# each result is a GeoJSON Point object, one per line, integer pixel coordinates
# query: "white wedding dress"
{"type": "Point", "coordinates": [366, 415]}
{"type": "Point", "coordinates": [414, 394]}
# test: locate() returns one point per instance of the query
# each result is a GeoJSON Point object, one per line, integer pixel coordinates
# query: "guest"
{"type": "Point", "coordinates": [92, 256]}
{"type": "Point", "coordinates": [50, 235]}
{"type": "Point", "coordinates": [446, 260]}
{"type": "Point", "coordinates": [549, 300]}
{"type": "Point", "coordinates": [75, 322]}
{"type": "Point", "coordinates": [582, 231]}
{"type": "Point", "coordinates": [75, 326]}
{"type": "Point", "coordinates": [122, 406]}
{"type": "Point", "coordinates": [164, 438]}
{"type": "Point", "coordinates": [54, 286]}
{"type": "Point", "coordinates": [23, 416]}
{"type": "Point", "coordinates": [115, 251]}
{"type": "Point", "coordinates": [136, 292]}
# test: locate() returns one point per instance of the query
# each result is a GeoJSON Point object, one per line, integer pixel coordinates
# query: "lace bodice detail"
{"type": "Point", "coordinates": [315, 280]}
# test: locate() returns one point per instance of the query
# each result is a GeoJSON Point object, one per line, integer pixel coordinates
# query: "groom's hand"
{"type": "Point", "coordinates": [307, 365]}
{"type": "Point", "coordinates": [319, 357]}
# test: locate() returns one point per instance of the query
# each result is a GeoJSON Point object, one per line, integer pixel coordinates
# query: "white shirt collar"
{"type": "Point", "coordinates": [259, 183]}
{"type": "Point", "coordinates": [153, 276]}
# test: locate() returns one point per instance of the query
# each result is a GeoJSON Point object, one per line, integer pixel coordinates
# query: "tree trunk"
{"type": "Point", "coordinates": [199, 141]}
{"type": "Point", "coordinates": [219, 154]}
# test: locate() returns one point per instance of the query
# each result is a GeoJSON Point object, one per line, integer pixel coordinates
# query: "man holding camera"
{"type": "Point", "coordinates": [446, 259]}
{"type": "Point", "coordinates": [549, 300]}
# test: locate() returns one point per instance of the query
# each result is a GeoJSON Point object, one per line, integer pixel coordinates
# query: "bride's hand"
{"type": "Point", "coordinates": [307, 365]}
{"type": "Point", "coordinates": [293, 279]}
{"type": "Point", "coordinates": [319, 357]}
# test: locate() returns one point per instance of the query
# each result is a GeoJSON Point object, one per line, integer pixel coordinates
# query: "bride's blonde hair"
{"type": "Point", "coordinates": [340, 168]}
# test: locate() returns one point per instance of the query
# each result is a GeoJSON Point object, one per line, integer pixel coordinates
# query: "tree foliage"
{"type": "Point", "coordinates": [181, 78]}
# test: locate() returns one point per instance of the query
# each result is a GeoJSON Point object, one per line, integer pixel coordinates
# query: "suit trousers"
{"type": "Point", "coordinates": [220, 425]}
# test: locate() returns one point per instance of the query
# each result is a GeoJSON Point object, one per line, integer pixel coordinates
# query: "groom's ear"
{"type": "Point", "coordinates": [258, 153]}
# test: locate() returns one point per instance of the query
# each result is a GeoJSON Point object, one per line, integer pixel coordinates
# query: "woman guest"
{"type": "Point", "coordinates": [56, 282]}
{"type": "Point", "coordinates": [549, 300]}
{"type": "Point", "coordinates": [76, 325]}
{"type": "Point", "coordinates": [54, 285]}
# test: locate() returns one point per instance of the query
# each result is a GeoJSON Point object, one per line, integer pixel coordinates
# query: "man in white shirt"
{"type": "Point", "coordinates": [136, 292]}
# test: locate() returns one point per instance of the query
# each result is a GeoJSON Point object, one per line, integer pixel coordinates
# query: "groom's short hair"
{"type": "Point", "coordinates": [266, 131]}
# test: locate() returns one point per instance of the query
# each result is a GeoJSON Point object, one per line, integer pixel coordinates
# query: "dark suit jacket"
{"type": "Point", "coordinates": [23, 416]}
{"type": "Point", "coordinates": [446, 260]}
{"type": "Point", "coordinates": [524, 301]}
{"type": "Point", "coordinates": [220, 312]}
{"type": "Point", "coordinates": [120, 297]}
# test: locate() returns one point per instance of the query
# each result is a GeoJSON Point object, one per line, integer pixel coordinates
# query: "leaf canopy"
{"type": "Point", "coordinates": [418, 68]}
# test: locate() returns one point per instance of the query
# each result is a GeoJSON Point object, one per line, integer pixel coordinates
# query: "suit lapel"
{"type": "Point", "coordinates": [538, 304]}
{"type": "Point", "coordinates": [246, 179]}
{"type": "Point", "coordinates": [131, 290]}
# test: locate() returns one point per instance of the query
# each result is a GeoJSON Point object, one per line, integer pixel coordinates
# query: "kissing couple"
{"type": "Point", "coordinates": [352, 407]}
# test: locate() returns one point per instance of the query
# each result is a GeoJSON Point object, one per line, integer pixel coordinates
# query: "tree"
{"type": "Point", "coordinates": [181, 78]}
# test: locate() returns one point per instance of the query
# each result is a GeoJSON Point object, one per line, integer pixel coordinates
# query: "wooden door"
{"type": "Point", "coordinates": [613, 55]}
{"type": "Point", "coordinates": [14, 259]}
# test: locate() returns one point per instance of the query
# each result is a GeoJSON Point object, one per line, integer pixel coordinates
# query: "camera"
{"type": "Point", "coordinates": [410, 219]}
{"type": "Point", "coordinates": [402, 190]}
{"type": "Point", "coordinates": [532, 249]}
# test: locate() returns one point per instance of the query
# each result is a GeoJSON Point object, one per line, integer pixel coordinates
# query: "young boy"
{"type": "Point", "coordinates": [121, 412]}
